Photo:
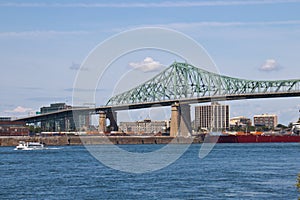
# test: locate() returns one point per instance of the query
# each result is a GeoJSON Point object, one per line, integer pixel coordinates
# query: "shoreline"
{"type": "Point", "coordinates": [73, 140]}
{"type": "Point", "coordinates": [95, 139]}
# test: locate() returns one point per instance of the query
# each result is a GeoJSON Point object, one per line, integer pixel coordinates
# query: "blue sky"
{"type": "Point", "coordinates": [43, 42]}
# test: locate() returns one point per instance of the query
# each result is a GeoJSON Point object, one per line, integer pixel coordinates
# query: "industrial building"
{"type": "Point", "coordinates": [12, 128]}
{"type": "Point", "coordinates": [266, 120]}
{"type": "Point", "coordinates": [214, 117]}
{"type": "Point", "coordinates": [144, 127]}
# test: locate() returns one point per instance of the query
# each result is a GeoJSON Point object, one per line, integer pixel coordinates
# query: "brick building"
{"type": "Point", "coordinates": [12, 128]}
{"type": "Point", "coordinates": [266, 120]}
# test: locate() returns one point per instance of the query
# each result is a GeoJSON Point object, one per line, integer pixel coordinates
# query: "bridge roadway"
{"type": "Point", "coordinates": [75, 112]}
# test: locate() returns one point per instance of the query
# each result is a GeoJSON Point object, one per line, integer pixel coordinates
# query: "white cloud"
{"type": "Point", "coordinates": [193, 25]}
{"type": "Point", "coordinates": [147, 65]}
{"type": "Point", "coordinates": [269, 65]}
{"type": "Point", "coordinates": [74, 66]}
{"type": "Point", "coordinates": [183, 26]}
{"type": "Point", "coordinates": [19, 109]}
{"type": "Point", "coordinates": [49, 33]}
{"type": "Point", "coordinates": [230, 24]}
{"type": "Point", "coordinates": [148, 4]}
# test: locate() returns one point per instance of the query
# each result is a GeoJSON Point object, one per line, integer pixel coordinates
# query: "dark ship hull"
{"type": "Point", "coordinates": [252, 138]}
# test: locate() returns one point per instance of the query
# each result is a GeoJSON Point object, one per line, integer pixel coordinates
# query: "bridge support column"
{"type": "Point", "coordinates": [180, 120]}
{"type": "Point", "coordinates": [174, 120]}
{"type": "Point", "coordinates": [102, 122]}
{"type": "Point", "coordinates": [112, 116]}
{"type": "Point", "coordinates": [185, 120]}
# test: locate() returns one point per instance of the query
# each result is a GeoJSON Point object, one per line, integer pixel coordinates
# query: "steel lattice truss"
{"type": "Point", "coordinates": [183, 81]}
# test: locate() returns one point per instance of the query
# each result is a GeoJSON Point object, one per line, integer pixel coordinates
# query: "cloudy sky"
{"type": "Point", "coordinates": [43, 43]}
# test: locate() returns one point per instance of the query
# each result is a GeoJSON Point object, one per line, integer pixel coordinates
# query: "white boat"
{"type": "Point", "coordinates": [29, 146]}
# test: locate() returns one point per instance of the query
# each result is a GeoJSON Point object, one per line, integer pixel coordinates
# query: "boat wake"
{"type": "Point", "coordinates": [45, 148]}
{"type": "Point", "coordinates": [53, 148]}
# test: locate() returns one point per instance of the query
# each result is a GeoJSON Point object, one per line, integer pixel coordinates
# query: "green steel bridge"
{"type": "Point", "coordinates": [184, 83]}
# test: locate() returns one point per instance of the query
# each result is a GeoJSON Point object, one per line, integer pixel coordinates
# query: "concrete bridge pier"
{"type": "Point", "coordinates": [112, 116]}
{"type": "Point", "coordinates": [174, 125]}
{"type": "Point", "coordinates": [180, 120]}
{"type": "Point", "coordinates": [102, 122]}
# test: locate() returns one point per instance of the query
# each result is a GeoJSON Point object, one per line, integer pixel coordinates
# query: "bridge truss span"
{"type": "Point", "coordinates": [182, 81]}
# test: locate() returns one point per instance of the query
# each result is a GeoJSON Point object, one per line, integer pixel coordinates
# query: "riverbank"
{"type": "Point", "coordinates": [93, 140]}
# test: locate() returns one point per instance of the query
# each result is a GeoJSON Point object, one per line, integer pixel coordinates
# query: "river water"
{"type": "Point", "coordinates": [230, 171]}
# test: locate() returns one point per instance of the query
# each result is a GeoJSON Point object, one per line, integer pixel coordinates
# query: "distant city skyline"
{"type": "Point", "coordinates": [43, 44]}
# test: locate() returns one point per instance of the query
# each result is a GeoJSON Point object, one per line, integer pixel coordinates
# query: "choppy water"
{"type": "Point", "coordinates": [230, 171]}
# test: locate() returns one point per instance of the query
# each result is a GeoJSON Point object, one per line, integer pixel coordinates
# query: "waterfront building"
{"type": "Point", "coordinates": [214, 117]}
{"type": "Point", "coordinates": [240, 121]}
{"type": "Point", "coordinates": [12, 128]}
{"type": "Point", "coordinates": [144, 127]}
{"type": "Point", "coordinates": [267, 120]}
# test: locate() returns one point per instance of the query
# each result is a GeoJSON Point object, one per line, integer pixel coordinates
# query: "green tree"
{"type": "Point", "coordinates": [298, 184]}
{"type": "Point", "coordinates": [281, 126]}
{"type": "Point", "coordinates": [37, 129]}
{"type": "Point", "coordinates": [31, 129]}
{"type": "Point", "coordinates": [250, 128]}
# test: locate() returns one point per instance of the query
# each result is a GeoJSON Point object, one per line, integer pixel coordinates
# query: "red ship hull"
{"type": "Point", "coordinates": [252, 138]}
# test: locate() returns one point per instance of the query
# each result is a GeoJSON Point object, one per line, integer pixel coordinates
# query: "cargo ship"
{"type": "Point", "coordinates": [293, 135]}
{"type": "Point", "coordinates": [252, 138]}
